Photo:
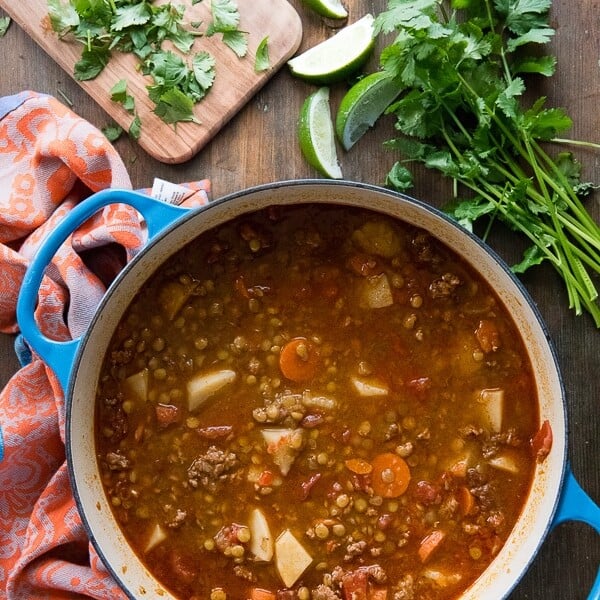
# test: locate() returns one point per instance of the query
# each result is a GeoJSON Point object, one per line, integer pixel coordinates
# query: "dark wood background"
{"type": "Point", "coordinates": [259, 146]}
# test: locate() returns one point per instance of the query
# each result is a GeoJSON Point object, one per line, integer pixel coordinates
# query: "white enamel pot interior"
{"type": "Point", "coordinates": [512, 561]}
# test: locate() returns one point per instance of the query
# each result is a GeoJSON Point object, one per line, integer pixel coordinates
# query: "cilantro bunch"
{"type": "Point", "coordinates": [463, 113]}
{"type": "Point", "coordinates": [140, 27]}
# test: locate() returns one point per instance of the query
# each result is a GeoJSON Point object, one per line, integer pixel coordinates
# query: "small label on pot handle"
{"type": "Point", "coordinates": [170, 192]}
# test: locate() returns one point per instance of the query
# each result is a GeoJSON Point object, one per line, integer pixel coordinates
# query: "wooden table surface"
{"type": "Point", "coordinates": [259, 145]}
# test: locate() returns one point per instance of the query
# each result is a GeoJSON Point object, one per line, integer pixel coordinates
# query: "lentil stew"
{"type": "Point", "coordinates": [317, 402]}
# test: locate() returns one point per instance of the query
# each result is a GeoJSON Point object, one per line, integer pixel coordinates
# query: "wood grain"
{"type": "Point", "coordinates": [258, 145]}
{"type": "Point", "coordinates": [235, 83]}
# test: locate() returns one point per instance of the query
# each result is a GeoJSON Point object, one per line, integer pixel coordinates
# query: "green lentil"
{"type": "Point", "coordinates": [243, 535]}
{"type": "Point", "coordinates": [158, 345]}
{"type": "Point", "coordinates": [342, 500]}
{"type": "Point", "coordinates": [322, 458]}
{"type": "Point", "coordinates": [200, 343]}
{"type": "Point", "coordinates": [160, 374]}
{"type": "Point", "coordinates": [192, 422]}
{"type": "Point", "coordinates": [321, 531]}
{"type": "Point", "coordinates": [303, 593]}
{"type": "Point", "coordinates": [128, 406]}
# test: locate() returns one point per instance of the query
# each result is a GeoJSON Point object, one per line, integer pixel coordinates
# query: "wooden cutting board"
{"type": "Point", "coordinates": [235, 82]}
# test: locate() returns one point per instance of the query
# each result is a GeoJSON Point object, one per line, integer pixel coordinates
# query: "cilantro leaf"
{"type": "Point", "coordinates": [225, 20]}
{"type": "Point", "coordinates": [92, 62]}
{"type": "Point", "coordinates": [4, 24]}
{"type": "Point", "coordinates": [531, 257]}
{"type": "Point", "coordinates": [118, 93]}
{"type": "Point", "coordinates": [261, 62]}
{"type": "Point", "coordinates": [203, 66]}
{"type": "Point", "coordinates": [63, 17]}
{"type": "Point", "coordinates": [506, 101]}
{"type": "Point", "coordinates": [543, 65]}
{"type": "Point", "coordinates": [131, 15]}
{"type": "Point", "coordinates": [174, 106]}
{"type": "Point", "coordinates": [135, 128]}
{"type": "Point", "coordinates": [237, 41]}
{"type": "Point", "coordinates": [225, 17]}
{"type": "Point", "coordinates": [533, 36]}
{"type": "Point", "coordinates": [399, 178]}
{"type": "Point", "coordinates": [112, 132]}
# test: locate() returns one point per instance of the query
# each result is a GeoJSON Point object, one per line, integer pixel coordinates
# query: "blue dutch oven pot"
{"type": "Point", "coordinates": [555, 495]}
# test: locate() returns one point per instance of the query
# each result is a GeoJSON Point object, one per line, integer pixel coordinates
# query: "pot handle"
{"type": "Point", "coordinates": [60, 355]}
{"type": "Point", "coordinates": [575, 505]}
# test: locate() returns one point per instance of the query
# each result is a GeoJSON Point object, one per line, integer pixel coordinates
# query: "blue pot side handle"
{"type": "Point", "coordinates": [60, 355]}
{"type": "Point", "coordinates": [576, 505]}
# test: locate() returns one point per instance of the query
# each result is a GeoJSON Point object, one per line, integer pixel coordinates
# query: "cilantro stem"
{"type": "Point", "coordinates": [582, 143]}
{"type": "Point", "coordinates": [464, 82]}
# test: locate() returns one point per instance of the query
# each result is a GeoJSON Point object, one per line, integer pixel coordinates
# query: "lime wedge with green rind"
{"type": "Point", "coordinates": [317, 136]}
{"type": "Point", "coordinates": [332, 9]}
{"type": "Point", "coordinates": [362, 105]}
{"type": "Point", "coordinates": [338, 57]}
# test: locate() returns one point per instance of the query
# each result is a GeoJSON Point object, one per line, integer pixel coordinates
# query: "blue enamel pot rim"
{"type": "Point", "coordinates": [170, 227]}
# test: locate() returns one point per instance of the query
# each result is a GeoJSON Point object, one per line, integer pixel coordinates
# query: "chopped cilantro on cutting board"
{"type": "Point", "coordinates": [141, 28]}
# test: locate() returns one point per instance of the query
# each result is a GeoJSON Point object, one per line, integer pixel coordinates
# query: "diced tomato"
{"type": "Point", "coordinates": [265, 478]}
{"type": "Point", "coordinates": [307, 486]}
{"type": "Point", "coordinates": [166, 414]}
{"type": "Point", "coordinates": [430, 543]}
{"type": "Point", "coordinates": [428, 493]}
{"type": "Point", "coordinates": [541, 443]}
{"type": "Point", "coordinates": [488, 336]}
{"type": "Point", "coordinates": [239, 285]}
{"type": "Point", "coordinates": [419, 385]}
{"type": "Point", "coordinates": [260, 594]}
{"type": "Point", "coordinates": [354, 585]}
{"type": "Point", "coordinates": [364, 265]}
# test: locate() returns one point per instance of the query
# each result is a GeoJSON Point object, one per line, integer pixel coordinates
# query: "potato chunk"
{"type": "Point", "coordinates": [157, 536]}
{"type": "Point", "coordinates": [291, 558]}
{"type": "Point", "coordinates": [172, 296]}
{"type": "Point", "coordinates": [370, 387]}
{"type": "Point", "coordinates": [261, 542]}
{"type": "Point", "coordinates": [137, 385]}
{"type": "Point", "coordinates": [204, 385]}
{"type": "Point", "coordinates": [376, 292]}
{"type": "Point", "coordinates": [283, 444]}
{"type": "Point", "coordinates": [379, 238]}
{"type": "Point", "coordinates": [492, 401]}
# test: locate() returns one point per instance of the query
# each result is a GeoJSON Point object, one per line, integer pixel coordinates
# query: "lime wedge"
{"type": "Point", "coordinates": [338, 57]}
{"type": "Point", "coordinates": [332, 9]}
{"type": "Point", "coordinates": [362, 105]}
{"type": "Point", "coordinates": [316, 134]}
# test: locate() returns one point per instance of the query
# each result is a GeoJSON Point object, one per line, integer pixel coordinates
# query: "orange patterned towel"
{"type": "Point", "coordinates": [50, 159]}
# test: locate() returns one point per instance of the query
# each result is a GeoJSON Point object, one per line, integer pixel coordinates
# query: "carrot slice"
{"type": "Point", "coordinates": [358, 466]}
{"type": "Point", "coordinates": [430, 543]}
{"type": "Point", "coordinates": [465, 499]}
{"type": "Point", "coordinates": [541, 443]}
{"type": "Point", "coordinates": [390, 475]}
{"type": "Point", "coordinates": [260, 594]}
{"type": "Point", "coordinates": [299, 360]}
